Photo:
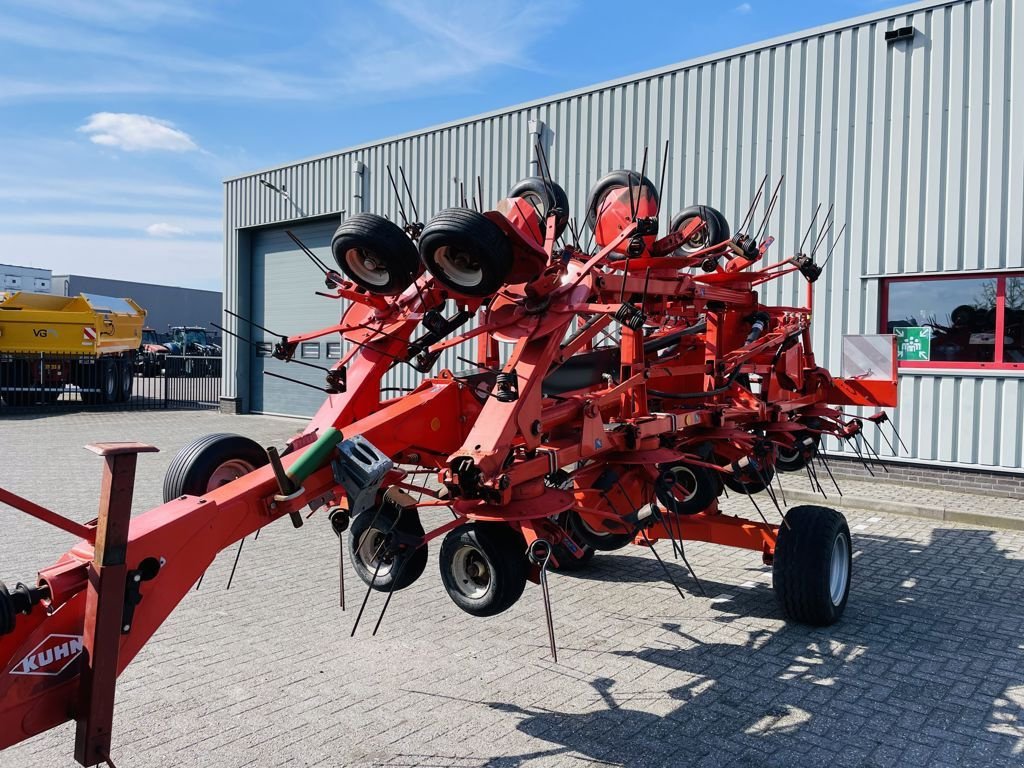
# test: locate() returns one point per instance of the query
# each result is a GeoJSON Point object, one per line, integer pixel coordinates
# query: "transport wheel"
{"type": "Point", "coordinates": [813, 563]}
{"type": "Point", "coordinates": [797, 457]}
{"type": "Point", "coordinates": [617, 180]}
{"type": "Point", "coordinates": [374, 536]}
{"type": "Point", "coordinates": [752, 486]}
{"type": "Point", "coordinates": [686, 489]}
{"type": "Point", "coordinates": [125, 379]}
{"type": "Point", "coordinates": [375, 254]}
{"type": "Point", "coordinates": [483, 567]}
{"type": "Point", "coordinates": [209, 462]}
{"type": "Point", "coordinates": [717, 229]}
{"type": "Point", "coordinates": [544, 197]}
{"type": "Point", "coordinates": [466, 251]}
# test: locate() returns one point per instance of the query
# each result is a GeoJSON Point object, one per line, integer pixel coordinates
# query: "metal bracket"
{"type": "Point", "coordinates": [360, 468]}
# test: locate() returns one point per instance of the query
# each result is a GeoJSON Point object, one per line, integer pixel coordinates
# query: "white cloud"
{"type": "Point", "coordinates": [744, 8]}
{"type": "Point", "coordinates": [163, 229]}
{"type": "Point", "coordinates": [136, 133]}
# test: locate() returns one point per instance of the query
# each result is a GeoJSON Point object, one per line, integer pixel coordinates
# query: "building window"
{"type": "Point", "coordinates": [310, 350]}
{"type": "Point", "coordinates": [333, 350]}
{"type": "Point", "coordinates": [264, 349]}
{"type": "Point", "coordinates": [956, 322]}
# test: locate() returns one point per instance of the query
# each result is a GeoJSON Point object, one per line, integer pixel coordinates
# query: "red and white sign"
{"type": "Point", "coordinates": [89, 334]}
{"type": "Point", "coordinates": [50, 657]}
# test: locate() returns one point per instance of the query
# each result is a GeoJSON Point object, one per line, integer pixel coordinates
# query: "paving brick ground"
{"type": "Point", "coordinates": [925, 669]}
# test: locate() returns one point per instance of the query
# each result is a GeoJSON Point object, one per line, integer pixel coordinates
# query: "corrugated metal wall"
{"type": "Point", "coordinates": [920, 145]}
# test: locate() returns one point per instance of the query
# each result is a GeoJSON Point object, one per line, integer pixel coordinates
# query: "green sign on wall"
{"type": "Point", "coordinates": [913, 344]}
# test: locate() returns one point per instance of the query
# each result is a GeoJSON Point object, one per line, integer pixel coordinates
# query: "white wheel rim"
{"type": "Point", "coordinates": [227, 472]}
{"type": "Point", "coordinates": [789, 456]}
{"type": "Point", "coordinates": [685, 473]}
{"type": "Point", "coordinates": [471, 572]}
{"type": "Point", "coordinates": [839, 569]}
{"type": "Point", "coordinates": [460, 267]}
{"type": "Point", "coordinates": [697, 242]}
{"type": "Point", "coordinates": [369, 551]}
{"type": "Point", "coordinates": [367, 267]}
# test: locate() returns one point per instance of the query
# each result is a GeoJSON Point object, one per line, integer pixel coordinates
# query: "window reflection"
{"type": "Point", "coordinates": [960, 313]}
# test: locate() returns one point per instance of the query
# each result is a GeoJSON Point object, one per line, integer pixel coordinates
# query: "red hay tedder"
{"type": "Point", "coordinates": [616, 392]}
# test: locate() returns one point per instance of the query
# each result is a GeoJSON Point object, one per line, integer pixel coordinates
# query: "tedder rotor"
{"type": "Point", "coordinates": [615, 392]}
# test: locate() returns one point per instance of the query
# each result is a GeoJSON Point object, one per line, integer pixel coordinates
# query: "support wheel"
{"type": "Point", "coordinates": [389, 544]}
{"type": "Point", "coordinates": [544, 197]}
{"type": "Point", "coordinates": [589, 536]}
{"type": "Point", "coordinates": [483, 567]}
{"type": "Point", "coordinates": [375, 254]}
{"type": "Point", "coordinates": [795, 458]}
{"type": "Point", "coordinates": [716, 228]}
{"type": "Point", "coordinates": [751, 482]}
{"type": "Point", "coordinates": [466, 252]}
{"type": "Point", "coordinates": [813, 563]}
{"type": "Point", "coordinates": [209, 462]}
{"type": "Point", "coordinates": [686, 489]}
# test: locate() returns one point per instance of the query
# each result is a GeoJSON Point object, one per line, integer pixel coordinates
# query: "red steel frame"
{"type": "Point", "coordinates": [511, 445]}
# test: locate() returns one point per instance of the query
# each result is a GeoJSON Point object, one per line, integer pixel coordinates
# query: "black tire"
{"type": "Point", "coordinates": [102, 376]}
{"type": "Point", "coordinates": [209, 462]}
{"type": "Point", "coordinates": [615, 180]}
{"type": "Point", "coordinates": [716, 232]}
{"type": "Point", "coordinates": [752, 486]}
{"type": "Point", "coordinates": [813, 565]}
{"type": "Point", "coordinates": [375, 254]}
{"type": "Point", "coordinates": [602, 541]}
{"type": "Point", "coordinates": [483, 567]}
{"type": "Point", "coordinates": [544, 197]}
{"type": "Point", "coordinates": [466, 252]}
{"type": "Point", "coordinates": [397, 570]}
{"type": "Point", "coordinates": [686, 489]}
{"type": "Point", "coordinates": [125, 380]}
{"type": "Point", "coordinates": [797, 457]}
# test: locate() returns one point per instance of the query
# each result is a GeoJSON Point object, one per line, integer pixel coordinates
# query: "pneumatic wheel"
{"type": "Point", "coordinates": [618, 180]}
{"type": "Point", "coordinates": [544, 197]}
{"type": "Point", "coordinates": [812, 566]}
{"type": "Point", "coordinates": [749, 484]}
{"type": "Point", "coordinates": [686, 489]}
{"type": "Point", "coordinates": [102, 376]}
{"type": "Point", "coordinates": [209, 462]}
{"type": "Point", "coordinates": [466, 252]}
{"type": "Point", "coordinates": [375, 254]}
{"type": "Point", "coordinates": [587, 535]}
{"type": "Point", "coordinates": [798, 456]}
{"type": "Point", "coordinates": [483, 567]}
{"type": "Point", "coordinates": [386, 547]}
{"type": "Point", "coordinates": [716, 228]}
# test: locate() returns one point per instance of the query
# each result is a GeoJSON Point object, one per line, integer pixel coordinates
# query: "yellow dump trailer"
{"type": "Point", "coordinates": [50, 342]}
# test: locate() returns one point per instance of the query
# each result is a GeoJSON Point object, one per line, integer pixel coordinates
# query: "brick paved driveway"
{"type": "Point", "coordinates": [926, 668]}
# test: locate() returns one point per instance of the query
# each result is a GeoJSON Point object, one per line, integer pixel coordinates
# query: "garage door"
{"type": "Point", "coordinates": [283, 300]}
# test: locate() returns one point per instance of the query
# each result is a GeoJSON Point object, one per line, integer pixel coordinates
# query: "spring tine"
{"type": "Point", "coordinates": [782, 491]}
{"type": "Point", "coordinates": [640, 182]}
{"type": "Point", "coordinates": [341, 571]}
{"type": "Point", "coordinates": [629, 177]}
{"type": "Point", "coordinates": [200, 582]}
{"type": "Point", "coordinates": [900, 439]}
{"type": "Point", "coordinates": [748, 218]}
{"type": "Point", "coordinates": [668, 574]}
{"type": "Point", "coordinates": [254, 324]}
{"type": "Point", "coordinates": [835, 242]}
{"type": "Point", "coordinates": [870, 448]}
{"type": "Point", "coordinates": [238, 554]}
{"type": "Point", "coordinates": [398, 197]}
{"type": "Point", "coordinates": [480, 192]}
{"type": "Point", "coordinates": [312, 256]}
{"type": "Point", "coordinates": [817, 480]}
{"type": "Point", "coordinates": [810, 226]}
{"type": "Point", "coordinates": [856, 449]}
{"type": "Point", "coordinates": [366, 597]}
{"type": "Point", "coordinates": [822, 457]}
{"type": "Point", "coordinates": [412, 201]}
{"type": "Point", "coordinates": [882, 434]}
{"type": "Point", "coordinates": [689, 567]}
{"type": "Point", "coordinates": [771, 209]}
{"type": "Point", "coordinates": [297, 381]}
{"type": "Point", "coordinates": [771, 495]}
{"type": "Point", "coordinates": [387, 600]}
{"type": "Point", "coordinates": [664, 169]}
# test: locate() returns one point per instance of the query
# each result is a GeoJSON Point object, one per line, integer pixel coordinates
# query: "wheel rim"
{"type": "Point", "coordinates": [472, 572]}
{"type": "Point", "coordinates": [459, 266]}
{"type": "Point", "coordinates": [685, 481]}
{"type": "Point", "coordinates": [367, 266]}
{"type": "Point", "coordinates": [839, 570]}
{"type": "Point", "coordinates": [370, 551]}
{"type": "Point", "coordinates": [789, 456]}
{"type": "Point", "coordinates": [227, 472]}
{"type": "Point", "coordinates": [697, 241]}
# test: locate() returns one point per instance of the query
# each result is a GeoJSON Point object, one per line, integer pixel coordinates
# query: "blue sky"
{"type": "Point", "coordinates": [120, 118]}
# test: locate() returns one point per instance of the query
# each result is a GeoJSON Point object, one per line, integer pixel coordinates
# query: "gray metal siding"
{"type": "Point", "coordinates": [920, 145]}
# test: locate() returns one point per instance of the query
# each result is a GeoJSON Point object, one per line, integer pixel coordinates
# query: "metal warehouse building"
{"type": "Point", "coordinates": [911, 121]}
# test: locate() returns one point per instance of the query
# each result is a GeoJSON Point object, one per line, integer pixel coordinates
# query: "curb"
{"type": "Point", "coordinates": [942, 514]}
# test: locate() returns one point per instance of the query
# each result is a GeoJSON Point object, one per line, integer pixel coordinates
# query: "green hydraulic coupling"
{"type": "Point", "coordinates": [313, 458]}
